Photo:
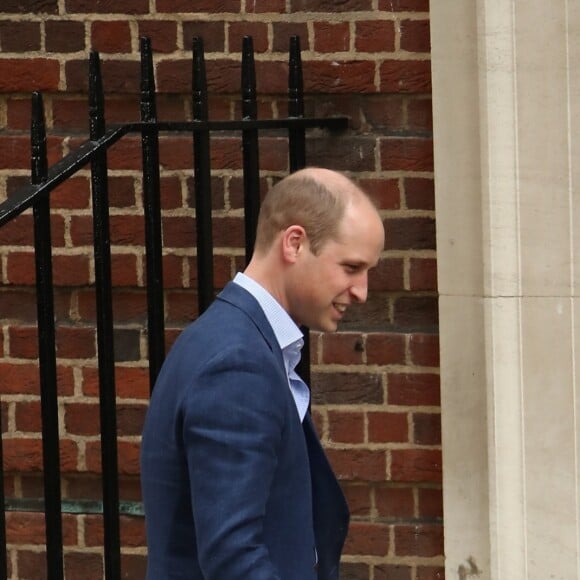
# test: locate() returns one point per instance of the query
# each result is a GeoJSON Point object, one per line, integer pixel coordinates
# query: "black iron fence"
{"type": "Point", "coordinates": [93, 152]}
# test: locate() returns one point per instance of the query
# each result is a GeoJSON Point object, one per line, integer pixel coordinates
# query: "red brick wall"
{"type": "Point", "coordinates": [375, 383]}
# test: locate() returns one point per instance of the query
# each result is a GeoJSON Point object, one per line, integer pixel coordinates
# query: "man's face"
{"type": "Point", "coordinates": [325, 284]}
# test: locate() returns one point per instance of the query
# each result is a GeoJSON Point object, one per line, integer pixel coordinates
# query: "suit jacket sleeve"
{"type": "Point", "coordinates": [231, 429]}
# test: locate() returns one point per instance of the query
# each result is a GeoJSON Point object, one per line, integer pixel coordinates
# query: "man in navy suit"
{"type": "Point", "coordinates": [236, 485]}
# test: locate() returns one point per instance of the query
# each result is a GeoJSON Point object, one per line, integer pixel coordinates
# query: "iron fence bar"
{"type": "Point", "coordinates": [297, 159]}
{"type": "Point", "coordinates": [250, 150]}
{"type": "Point", "coordinates": [296, 134]}
{"type": "Point", "coordinates": [152, 208]}
{"type": "Point", "coordinates": [202, 179]}
{"type": "Point", "coordinates": [46, 349]}
{"type": "Point", "coordinates": [105, 334]}
{"type": "Point", "coordinates": [24, 198]}
{"type": "Point", "coordinates": [3, 506]}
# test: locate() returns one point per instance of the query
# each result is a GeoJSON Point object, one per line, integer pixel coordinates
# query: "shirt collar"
{"type": "Point", "coordinates": [285, 329]}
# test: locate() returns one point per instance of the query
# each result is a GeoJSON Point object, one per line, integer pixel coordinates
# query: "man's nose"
{"type": "Point", "coordinates": [359, 290]}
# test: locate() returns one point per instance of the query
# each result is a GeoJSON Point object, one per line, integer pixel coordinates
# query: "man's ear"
{"type": "Point", "coordinates": [294, 240]}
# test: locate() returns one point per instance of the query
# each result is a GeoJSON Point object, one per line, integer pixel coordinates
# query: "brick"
{"type": "Point", "coordinates": [388, 427]}
{"type": "Point", "coordinates": [385, 193]}
{"type": "Point", "coordinates": [19, 36]}
{"type": "Point", "coordinates": [423, 274]}
{"type": "Point", "coordinates": [107, 6]}
{"type": "Point", "coordinates": [228, 232]}
{"type": "Point", "coordinates": [339, 76]}
{"type": "Point", "coordinates": [384, 112]}
{"type": "Point", "coordinates": [346, 388]}
{"type": "Point", "coordinates": [70, 114]}
{"type": "Point", "coordinates": [419, 193]}
{"type": "Point", "coordinates": [416, 465]}
{"type": "Point", "coordinates": [124, 269]}
{"type": "Point", "coordinates": [14, 150]}
{"type": "Point", "coordinates": [83, 565]}
{"type": "Point", "coordinates": [82, 419]}
{"type": "Point", "coordinates": [23, 341]}
{"type": "Point", "coordinates": [201, 6]}
{"type": "Point", "coordinates": [393, 572]}
{"type": "Point", "coordinates": [404, 5]}
{"type": "Point", "coordinates": [31, 565]}
{"type": "Point", "coordinates": [342, 348]}
{"type": "Point", "coordinates": [130, 419]}
{"type": "Point", "coordinates": [257, 30]}
{"type": "Point", "coordinates": [329, 5]}
{"type": "Point", "coordinates": [119, 76]}
{"type": "Point", "coordinates": [213, 35]}
{"type": "Point", "coordinates": [385, 348]}
{"type": "Point", "coordinates": [354, 571]}
{"type": "Point", "coordinates": [430, 502]}
{"type": "Point", "coordinates": [394, 502]}
{"type": "Point", "coordinates": [413, 233]}
{"type": "Point", "coordinates": [27, 417]}
{"type": "Point", "coordinates": [346, 427]}
{"type": "Point", "coordinates": [430, 573]}
{"type": "Point", "coordinates": [331, 36]}
{"type": "Point", "coordinates": [74, 193]}
{"type": "Point", "coordinates": [29, 528]}
{"type": "Point", "coordinates": [182, 307]}
{"type": "Point", "coordinates": [412, 389]}
{"type": "Point", "coordinates": [25, 455]}
{"type": "Point", "coordinates": [16, 379]}
{"type": "Point", "coordinates": [420, 115]}
{"type": "Point", "coordinates": [424, 349]}
{"type": "Point", "coordinates": [387, 275]}
{"type": "Point", "coordinates": [179, 232]}
{"type": "Point", "coordinates": [20, 231]}
{"type": "Point", "coordinates": [367, 539]}
{"type": "Point", "coordinates": [415, 35]}
{"type": "Point", "coordinates": [18, 114]}
{"type": "Point", "coordinates": [354, 153]}
{"type": "Point", "coordinates": [405, 76]}
{"type": "Point", "coordinates": [416, 313]}
{"type": "Point", "coordinates": [175, 152]}
{"type": "Point", "coordinates": [375, 36]}
{"type": "Point", "coordinates": [111, 36]}
{"type": "Point", "coordinates": [424, 540]}
{"type": "Point", "coordinates": [372, 316]}
{"type": "Point", "coordinates": [406, 154]}
{"type": "Point", "coordinates": [261, 6]}
{"type": "Point", "coordinates": [427, 428]}
{"type": "Point", "coordinates": [29, 6]}
{"type": "Point", "coordinates": [131, 382]}
{"type": "Point", "coordinates": [358, 464]}
{"type": "Point", "coordinates": [128, 455]}
{"type": "Point", "coordinates": [64, 36]}
{"type": "Point", "coordinates": [163, 34]}
{"type": "Point", "coordinates": [282, 31]}
{"type": "Point", "coordinates": [358, 499]}
{"type": "Point", "coordinates": [127, 344]}
{"type": "Point", "coordinates": [75, 342]}
{"type": "Point", "coordinates": [134, 565]}
{"type": "Point", "coordinates": [73, 270]}
{"type": "Point", "coordinates": [23, 75]}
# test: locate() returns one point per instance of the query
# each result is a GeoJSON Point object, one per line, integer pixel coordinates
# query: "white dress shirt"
{"type": "Point", "coordinates": [288, 335]}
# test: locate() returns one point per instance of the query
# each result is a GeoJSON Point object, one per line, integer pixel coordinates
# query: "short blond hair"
{"type": "Point", "coordinates": [304, 199]}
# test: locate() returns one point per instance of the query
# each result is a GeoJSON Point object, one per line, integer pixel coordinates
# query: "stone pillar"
{"type": "Point", "coordinates": [506, 100]}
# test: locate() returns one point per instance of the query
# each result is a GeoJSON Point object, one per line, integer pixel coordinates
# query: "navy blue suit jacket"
{"type": "Point", "coordinates": [235, 487]}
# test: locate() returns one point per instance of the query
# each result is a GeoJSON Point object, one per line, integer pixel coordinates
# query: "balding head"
{"type": "Point", "coordinates": [314, 198]}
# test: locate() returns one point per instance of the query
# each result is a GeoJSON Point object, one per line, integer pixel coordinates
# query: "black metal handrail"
{"type": "Point", "coordinates": [93, 152]}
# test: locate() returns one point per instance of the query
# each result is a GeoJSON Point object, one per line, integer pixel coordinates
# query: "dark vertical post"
{"type": "Point", "coordinates": [105, 335]}
{"type": "Point", "coordinates": [296, 135]}
{"type": "Point", "coordinates": [152, 206]}
{"type": "Point", "coordinates": [250, 146]}
{"type": "Point", "coordinates": [202, 179]}
{"type": "Point", "coordinates": [46, 349]}
{"type": "Point", "coordinates": [297, 152]}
